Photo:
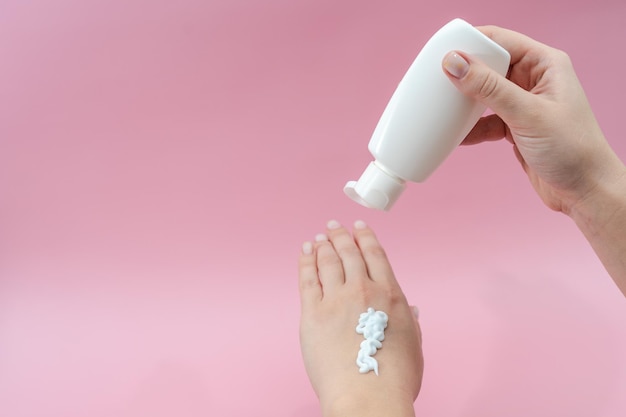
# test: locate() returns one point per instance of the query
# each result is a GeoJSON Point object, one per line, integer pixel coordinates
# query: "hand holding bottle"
{"type": "Point", "coordinates": [542, 110]}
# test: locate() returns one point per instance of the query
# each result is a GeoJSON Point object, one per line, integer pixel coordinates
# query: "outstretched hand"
{"type": "Point", "coordinates": [341, 276]}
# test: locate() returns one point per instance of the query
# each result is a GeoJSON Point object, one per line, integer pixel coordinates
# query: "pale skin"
{"type": "Point", "coordinates": [341, 275]}
{"type": "Point", "coordinates": [541, 109]}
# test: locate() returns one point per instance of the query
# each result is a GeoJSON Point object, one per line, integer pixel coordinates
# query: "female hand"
{"type": "Point", "coordinates": [341, 276]}
{"type": "Point", "coordinates": [542, 109]}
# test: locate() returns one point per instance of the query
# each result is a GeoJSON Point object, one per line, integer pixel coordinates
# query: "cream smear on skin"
{"type": "Point", "coordinates": [372, 326]}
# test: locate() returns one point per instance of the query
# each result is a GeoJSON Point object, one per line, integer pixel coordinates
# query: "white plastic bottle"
{"type": "Point", "coordinates": [426, 118]}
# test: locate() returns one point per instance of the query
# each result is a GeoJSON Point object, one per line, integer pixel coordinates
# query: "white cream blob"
{"type": "Point", "coordinates": [372, 326]}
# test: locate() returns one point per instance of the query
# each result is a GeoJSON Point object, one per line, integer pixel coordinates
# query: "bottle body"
{"type": "Point", "coordinates": [427, 117]}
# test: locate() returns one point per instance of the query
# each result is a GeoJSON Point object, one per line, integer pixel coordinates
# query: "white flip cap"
{"type": "Point", "coordinates": [377, 188]}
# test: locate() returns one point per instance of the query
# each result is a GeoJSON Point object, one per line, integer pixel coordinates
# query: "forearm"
{"type": "Point", "coordinates": [601, 217]}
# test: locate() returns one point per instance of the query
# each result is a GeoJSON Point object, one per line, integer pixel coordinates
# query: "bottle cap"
{"type": "Point", "coordinates": [377, 188]}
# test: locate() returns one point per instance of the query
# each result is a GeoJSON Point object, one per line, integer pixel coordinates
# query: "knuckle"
{"type": "Point", "coordinates": [308, 283]}
{"type": "Point", "coordinates": [369, 294]}
{"type": "Point", "coordinates": [393, 295]}
{"type": "Point", "coordinates": [351, 251]}
{"type": "Point", "coordinates": [557, 57]}
{"type": "Point", "coordinates": [375, 251]}
{"type": "Point", "coordinates": [563, 56]}
{"type": "Point", "coordinates": [487, 85]}
{"type": "Point", "coordinates": [328, 261]}
{"type": "Point", "coordinates": [363, 292]}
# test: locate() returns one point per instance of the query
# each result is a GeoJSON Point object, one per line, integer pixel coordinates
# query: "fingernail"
{"type": "Point", "coordinates": [455, 64]}
{"type": "Point", "coordinates": [321, 237]}
{"type": "Point", "coordinates": [360, 224]}
{"type": "Point", "coordinates": [333, 224]}
{"type": "Point", "coordinates": [307, 248]}
{"type": "Point", "coordinates": [416, 312]}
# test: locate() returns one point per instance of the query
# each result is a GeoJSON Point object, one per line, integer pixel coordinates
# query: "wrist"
{"type": "Point", "coordinates": [600, 206]}
{"type": "Point", "coordinates": [369, 404]}
{"type": "Point", "coordinates": [601, 216]}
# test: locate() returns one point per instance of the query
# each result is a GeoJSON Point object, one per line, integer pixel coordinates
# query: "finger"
{"type": "Point", "coordinates": [353, 264]}
{"type": "Point", "coordinates": [329, 266]}
{"type": "Point", "coordinates": [519, 46]}
{"type": "Point", "coordinates": [374, 255]}
{"type": "Point", "coordinates": [309, 283]}
{"type": "Point", "coordinates": [489, 128]}
{"type": "Point", "coordinates": [475, 79]}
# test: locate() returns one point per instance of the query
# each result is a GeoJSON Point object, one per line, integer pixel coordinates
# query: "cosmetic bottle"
{"type": "Point", "coordinates": [426, 118]}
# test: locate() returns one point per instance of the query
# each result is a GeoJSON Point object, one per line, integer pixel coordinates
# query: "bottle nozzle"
{"type": "Point", "coordinates": [377, 188]}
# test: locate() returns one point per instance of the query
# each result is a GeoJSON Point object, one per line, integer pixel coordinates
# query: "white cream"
{"type": "Point", "coordinates": [372, 326]}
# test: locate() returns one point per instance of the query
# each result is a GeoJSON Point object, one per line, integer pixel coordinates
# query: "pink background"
{"type": "Point", "coordinates": [161, 163]}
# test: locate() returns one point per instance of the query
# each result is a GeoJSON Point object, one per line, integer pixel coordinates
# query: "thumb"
{"type": "Point", "coordinates": [416, 322]}
{"type": "Point", "coordinates": [475, 79]}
